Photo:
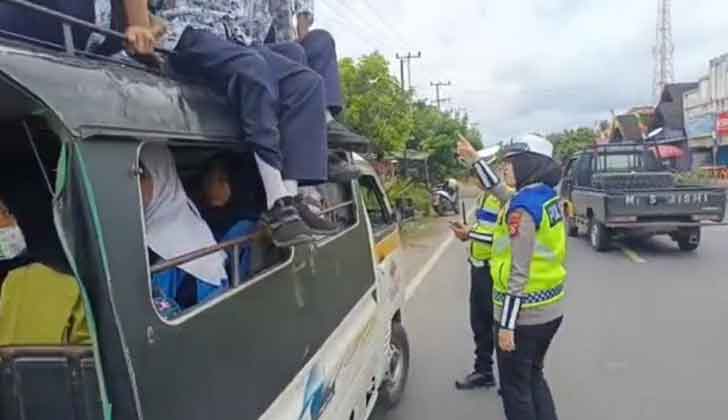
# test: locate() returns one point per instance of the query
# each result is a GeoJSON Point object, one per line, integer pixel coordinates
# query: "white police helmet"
{"type": "Point", "coordinates": [529, 143]}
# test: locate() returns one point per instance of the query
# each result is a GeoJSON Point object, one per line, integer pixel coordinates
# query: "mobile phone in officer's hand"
{"type": "Point", "coordinates": [456, 225]}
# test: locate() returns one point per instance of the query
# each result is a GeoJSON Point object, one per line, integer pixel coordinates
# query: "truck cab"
{"type": "Point", "coordinates": [624, 190]}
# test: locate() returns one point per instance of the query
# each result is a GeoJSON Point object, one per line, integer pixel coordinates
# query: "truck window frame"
{"type": "Point", "coordinates": [369, 184]}
{"type": "Point", "coordinates": [236, 287]}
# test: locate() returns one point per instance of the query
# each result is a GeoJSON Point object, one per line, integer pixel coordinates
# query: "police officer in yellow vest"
{"type": "Point", "coordinates": [528, 269]}
{"type": "Point", "coordinates": [481, 291]}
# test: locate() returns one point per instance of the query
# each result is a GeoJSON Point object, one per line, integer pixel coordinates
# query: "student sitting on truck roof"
{"type": "Point", "coordinates": [280, 102]}
{"type": "Point", "coordinates": [174, 227]}
{"type": "Point", "coordinates": [40, 302]}
{"type": "Point", "coordinates": [134, 21]}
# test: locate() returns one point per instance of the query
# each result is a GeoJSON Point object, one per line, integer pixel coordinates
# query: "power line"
{"type": "Point", "coordinates": [347, 26]}
{"type": "Point", "coordinates": [385, 21]}
{"type": "Point", "coordinates": [352, 19]}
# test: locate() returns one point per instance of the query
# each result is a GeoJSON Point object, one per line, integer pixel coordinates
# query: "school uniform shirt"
{"type": "Point", "coordinates": [245, 21]}
{"type": "Point", "coordinates": [40, 306]}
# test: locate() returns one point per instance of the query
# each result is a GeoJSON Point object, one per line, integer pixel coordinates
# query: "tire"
{"type": "Point", "coordinates": [395, 381]}
{"type": "Point", "coordinates": [572, 229]}
{"type": "Point", "coordinates": [688, 239]}
{"type": "Point", "coordinates": [440, 210]}
{"type": "Point", "coordinates": [599, 236]}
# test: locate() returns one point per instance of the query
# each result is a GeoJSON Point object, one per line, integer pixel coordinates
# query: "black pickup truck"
{"type": "Point", "coordinates": [624, 190]}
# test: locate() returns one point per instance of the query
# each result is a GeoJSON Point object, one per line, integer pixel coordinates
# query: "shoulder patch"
{"type": "Point", "coordinates": [514, 223]}
{"type": "Point", "coordinates": [553, 211]}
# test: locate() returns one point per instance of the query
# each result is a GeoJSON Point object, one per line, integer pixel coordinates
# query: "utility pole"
{"type": "Point", "coordinates": [664, 48]}
{"type": "Point", "coordinates": [437, 86]}
{"type": "Point", "coordinates": [408, 58]}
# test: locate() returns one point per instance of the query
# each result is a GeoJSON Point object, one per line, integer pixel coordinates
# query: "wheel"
{"type": "Point", "coordinates": [395, 380]}
{"type": "Point", "coordinates": [688, 239]}
{"type": "Point", "coordinates": [598, 236]}
{"type": "Point", "coordinates": [439, 209]}
{"type": "Point", "coordinates": [571, 227]}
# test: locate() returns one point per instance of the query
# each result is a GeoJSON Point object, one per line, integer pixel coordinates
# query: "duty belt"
{"type": "Point", "coordinates": [532, 299]}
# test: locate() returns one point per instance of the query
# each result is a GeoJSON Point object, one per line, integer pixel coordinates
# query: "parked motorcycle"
{"type": "Point", "coordinates": [446, 198]}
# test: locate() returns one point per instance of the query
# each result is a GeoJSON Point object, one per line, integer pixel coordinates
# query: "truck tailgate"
{"type": "Point", "coordinates": [675, 202]}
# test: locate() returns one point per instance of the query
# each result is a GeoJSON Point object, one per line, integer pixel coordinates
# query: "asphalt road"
{"type": "Point", "coordinates": [645, 337]}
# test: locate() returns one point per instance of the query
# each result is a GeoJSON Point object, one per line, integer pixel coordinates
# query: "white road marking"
{"type": "Point", "coordinates": [430, 264]}
{"type": "Point", "coordinates": [631, 254]}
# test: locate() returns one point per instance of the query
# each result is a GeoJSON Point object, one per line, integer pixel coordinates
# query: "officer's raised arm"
{"type": "Point", "coordinates": [489, 180]}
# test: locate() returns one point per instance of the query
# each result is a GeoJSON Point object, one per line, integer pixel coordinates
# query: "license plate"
{"type": "Point", "coordinates": [680, 199]}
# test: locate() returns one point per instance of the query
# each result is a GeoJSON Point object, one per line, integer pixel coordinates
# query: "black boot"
{"type": "Point", "coordinates": [476, 380]}
{"type": "Point", "coordinates": [340, 137]}
{"type": "Point", "coordinates": [286, 225]}
{"type": "Point", "coordinates": [316, 223]}
{"type": "Point", "coordinates": [341, 171]}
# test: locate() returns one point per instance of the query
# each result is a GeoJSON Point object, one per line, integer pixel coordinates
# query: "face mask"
{"type": "Point", "coordinates": [12, 243]}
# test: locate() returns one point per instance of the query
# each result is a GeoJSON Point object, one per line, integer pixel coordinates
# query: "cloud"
{"type": "Point", "coordinates": [530, 65]}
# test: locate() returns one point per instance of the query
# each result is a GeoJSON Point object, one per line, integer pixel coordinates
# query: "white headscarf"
{"type": "Point", "coordinates": [173, 223]}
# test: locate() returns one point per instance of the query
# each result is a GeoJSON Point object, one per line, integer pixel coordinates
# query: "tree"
{"type": "Point", "coordinates": [376, 107]}
{"type": "Point", "coordinates": [571, 141]}
{"type": "Point", "coordinates": [436, 133]}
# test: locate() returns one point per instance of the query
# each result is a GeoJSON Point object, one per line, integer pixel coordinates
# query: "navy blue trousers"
{"type": "Point", "coordinates": [280, 101]}
{"type": "Point", "coordinates": [318, 52]}
{"type": "Point", "coordinates": [321, 56]}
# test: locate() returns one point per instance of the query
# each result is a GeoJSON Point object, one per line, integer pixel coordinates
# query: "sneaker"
{"type": "Point", "coordinates": [286, 225]}
{"type": "Point", "coordinates": [316, 223]}
{"type": "Point", "coordinates": [476, 380]}
{"type": "Point", "coordinates": [342, 172]}
{"type": "Point", "coordinates": [340, 137]}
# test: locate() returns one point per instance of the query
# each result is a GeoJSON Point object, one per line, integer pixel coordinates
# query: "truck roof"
{"type": "Point", "coordinates": [89, 96]}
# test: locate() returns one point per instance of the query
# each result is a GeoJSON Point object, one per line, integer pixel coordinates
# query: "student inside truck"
{"type": "Point", "coordinates": [227, 211]}
{"type": "Point", "coordinates": [40, 301]}
{"type": "Point", "coordinates": [174, 227]}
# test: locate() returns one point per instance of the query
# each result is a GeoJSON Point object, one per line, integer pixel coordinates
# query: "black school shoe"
{"type": "Point", "coordinates": [342, 172]}
{"type": "Point", "coordinates": [286, 225]}
{"type": "Point", "coordinates": [476, 380]}
{"type": "Point", "coordinates": [341, 137]}
{"type": "Point", "coordinates": [317, 224]}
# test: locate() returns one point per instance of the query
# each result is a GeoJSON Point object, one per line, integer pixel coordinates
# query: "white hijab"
{"type": "Point", "coordinates": [173, 223]}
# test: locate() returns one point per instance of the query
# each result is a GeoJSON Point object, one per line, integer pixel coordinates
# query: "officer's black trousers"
{"type": "Point", "coordinates": [526, 395]}
{"type": "Point", "coordinates": [481, 317]}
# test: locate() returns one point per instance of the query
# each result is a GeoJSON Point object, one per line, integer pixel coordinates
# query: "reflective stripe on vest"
{"type": "Point", "coordinates": [547, 273]}
{"type": "Point", "coordinates": [481, 237]}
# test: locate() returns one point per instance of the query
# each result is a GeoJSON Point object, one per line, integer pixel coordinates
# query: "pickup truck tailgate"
{"type": "Point", "coordinates": [706, 203]}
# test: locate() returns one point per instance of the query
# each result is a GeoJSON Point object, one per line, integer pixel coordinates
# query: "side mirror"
{"type": "Point", "coordinates": [396, 216]}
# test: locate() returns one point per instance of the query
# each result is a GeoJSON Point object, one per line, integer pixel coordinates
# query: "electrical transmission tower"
{"type": "Point", "coordinates": [664, 48]}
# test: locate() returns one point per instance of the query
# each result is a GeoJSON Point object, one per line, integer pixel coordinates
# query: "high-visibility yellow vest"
{"type": "Point", "coordinates": [548, 271]}
{"type": "Point", "coordinates": [481, 236]}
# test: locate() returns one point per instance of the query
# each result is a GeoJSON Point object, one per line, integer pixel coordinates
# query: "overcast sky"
{"type": "Point", "coordinates": [530, 65]}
